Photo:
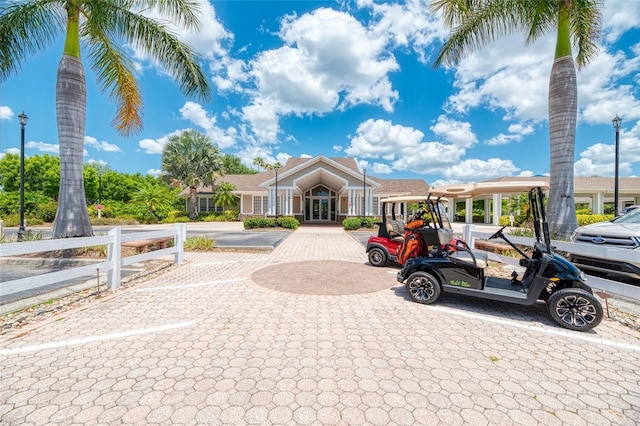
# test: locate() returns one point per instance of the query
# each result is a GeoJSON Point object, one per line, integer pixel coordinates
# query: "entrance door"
{"type": "Point", "coordinates": [320, 209]}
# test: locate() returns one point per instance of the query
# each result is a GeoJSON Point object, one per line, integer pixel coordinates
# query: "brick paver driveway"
{"type": "Point", "coordinates": [217, 341]}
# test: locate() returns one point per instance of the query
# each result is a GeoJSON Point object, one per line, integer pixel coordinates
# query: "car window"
{"type": "Point", "coordinates": [631, 217]}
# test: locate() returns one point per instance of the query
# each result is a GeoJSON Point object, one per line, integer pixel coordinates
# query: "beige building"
{"type": "Point", "coordinates": [317, 189]}
{"type": "Point", "coordinates": [322, 189]}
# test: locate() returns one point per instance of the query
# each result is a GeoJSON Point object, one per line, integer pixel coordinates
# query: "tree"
{"type": "Point", "coordinates": [191, 159]}
{"type": "Point", "coordinates": [105, 27]}
{"type": "Point", "coordinates": [258, 161]}
{"type": "Point", "coordinates": [232, 165]}
{"type": "Point", "coordinates": [475, 23]}
{"type": "Point", "coordinates": [224, 195]}
{"type": "Point", "coordinates": [155, 198]}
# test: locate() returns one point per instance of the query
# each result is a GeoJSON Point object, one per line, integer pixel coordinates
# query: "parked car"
{"type": "Point", "coordinates": [622, 232]}
{"type": "Point", "coordinates": [627, 210]}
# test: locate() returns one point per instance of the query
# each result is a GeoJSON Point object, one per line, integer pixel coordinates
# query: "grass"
{"type": "Point", "coordinates": [199, 243]}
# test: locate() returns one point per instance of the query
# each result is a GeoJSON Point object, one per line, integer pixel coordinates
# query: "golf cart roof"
{"type": "Point", "coordinates": [405, 199]}
{"type": "Point", "coordinates": [470, 190]}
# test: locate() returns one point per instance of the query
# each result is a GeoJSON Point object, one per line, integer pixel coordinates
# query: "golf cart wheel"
{"type": "Point", "coordinates": [575, 309]}
{"type": "Point", "coordinates": [423, 288]}
{"type": "Point", "coordinates": [377, 257]}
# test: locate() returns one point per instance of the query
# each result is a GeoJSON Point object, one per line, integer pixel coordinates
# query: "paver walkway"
{"type": "Point", "coordinates": [220, 341]}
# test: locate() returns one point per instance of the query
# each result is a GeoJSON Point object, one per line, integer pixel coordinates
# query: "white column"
{"type": "Point", "coordinates": [468, 207]}
{"type": "Point", "coordinates": [597, 203]}
{"type": "Point", "coordinates": [290, 206]}
{"type": "Point", "coordinates": [497, 208]}
{"type": "Point", "coordinates": [487, 210]}
{"type": "Point", "coordinates": [349, 203]}
{"type": "Point", "coordinates": [272, 202]}
{"type": "Point", "coordinates": [451, 209]}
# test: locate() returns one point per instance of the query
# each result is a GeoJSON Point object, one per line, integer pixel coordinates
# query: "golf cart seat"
{"type": "Point", "coordinates": [463, 255]}
{"type": "Point", "coordinates": [395, 228]}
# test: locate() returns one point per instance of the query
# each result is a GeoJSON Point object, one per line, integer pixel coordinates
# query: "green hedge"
{"type": "Point", "coordinates": [265, 222]}
{"type": "Point", "coordinates": [353, 223]}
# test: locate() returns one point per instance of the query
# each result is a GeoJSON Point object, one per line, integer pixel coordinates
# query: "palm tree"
{"type": "Point", "coordinates": [191, 159]}
{"type": "Point", "coordinates": [155, 198]}
{"type": "Point", "coordinates": [104, 27]}
{"type": "Point", "coordinates": [224, 195]}
{"type": "Point", "coordinates": [475, 23]}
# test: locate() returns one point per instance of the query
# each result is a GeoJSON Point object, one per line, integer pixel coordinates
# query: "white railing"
{"type": "Point", "coordinates": [621, 289]}
{"type": "Point", "coordinates": [114, 263]}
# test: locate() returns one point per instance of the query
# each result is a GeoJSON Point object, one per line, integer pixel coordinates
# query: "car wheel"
{"type": "Point", "coordinates": [377, 257]}
{"type": "Point", "coordinates": [423, 288]}
{"type": "Point", "coordinates": [575, 309]}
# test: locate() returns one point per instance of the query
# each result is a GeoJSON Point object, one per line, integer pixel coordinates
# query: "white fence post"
{"type": "Point", "coordinates": [467, 235]}
{"type": "Point", "coordinates": [115, 256]}
{"type": "Point", "coordinates": [181, 236]}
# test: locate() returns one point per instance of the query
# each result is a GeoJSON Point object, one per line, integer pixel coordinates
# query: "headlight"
{"type": "Point", "coordinates": [583, 276]}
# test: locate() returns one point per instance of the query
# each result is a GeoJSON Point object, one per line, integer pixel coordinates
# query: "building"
{"type": "Point", "coordinates": [317, 189]}
{"type": "Point", "coordinates": [322, 189]}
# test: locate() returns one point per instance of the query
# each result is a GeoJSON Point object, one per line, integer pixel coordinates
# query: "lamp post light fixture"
{"type": "Point", "coordinates": [616, 197]}
{"type": "Point", "coordinates": [276, 198]}
{"type": "Point", "coordinates": [22, 119]}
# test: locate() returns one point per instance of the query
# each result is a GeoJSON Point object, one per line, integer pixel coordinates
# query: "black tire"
{"type": "Point", "coordinates": [575, 309]}
{"type": "Point", "coordinates": [377, 257]}
{"type": "Point", "coordinates": [423, 287]}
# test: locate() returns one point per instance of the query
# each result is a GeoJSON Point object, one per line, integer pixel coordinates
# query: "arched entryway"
{"type": "Point", "coordinates": [320, 204]}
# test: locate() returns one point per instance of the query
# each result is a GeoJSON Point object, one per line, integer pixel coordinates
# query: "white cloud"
{"type": "Point", "coordinates": [409, 24]}
{"type": "Point", "coordinates": [101, 145]}
{"type": "Point", "coordinates": [330, 61]}
{"type": "Point", "coordinates": [599, 159]}
{"type": "Point", "coordinates": [12, 151]}
{"type": "Point", "coordinates": [199, 116]}
{"type": "Point", "coordinates": [619, 17]}
{"type": "Point", "coordinates": [382, 139]}
{"type": "Point", "coordinates": [43, 147]}
{"type": "Point", "coordinates": [5, 113]}
{"type": "Point", "coordinates": [473, 170]}
{"type": "Point", "coordinates": [156, 146]}
{"type": "Point", "coordinates": [154, 172]}
{"type": "Point", "coordinates": [381, 169]}
{"type": "Point", "coordinates": [99, 163]}
{"type": "Point", "coordinates": [456, 132]}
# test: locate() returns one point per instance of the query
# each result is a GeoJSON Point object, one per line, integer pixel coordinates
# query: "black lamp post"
{"type": "Point", "coordinates": [22, 119]}
{"type": "Point", "coordinates": [364, 197]}
{"type": "Point", "coordinates": [276, 200]}
{"type": "Point", "coordinates": [616, 125]}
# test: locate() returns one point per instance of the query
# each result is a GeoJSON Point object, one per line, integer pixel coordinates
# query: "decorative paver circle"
{"type": "Point", "coordinates": [325, 277]}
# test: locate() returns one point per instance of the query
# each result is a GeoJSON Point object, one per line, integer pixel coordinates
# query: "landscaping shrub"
{"type": "Point", "coordinates": [587, 219]}
{"type": "Point", "coordinates": [288, 222]}
{"type": "Point", "coordinates": [199, 243]}
{"type": "Point", "coordinates": [353, 223]}
{"type": "Point", "coordinates": [258, 222]}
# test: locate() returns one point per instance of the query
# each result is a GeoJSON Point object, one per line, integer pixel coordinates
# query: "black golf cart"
{"type": "Point", "coordinates": [548, 276]}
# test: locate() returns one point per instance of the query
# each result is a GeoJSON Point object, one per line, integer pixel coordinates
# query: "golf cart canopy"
{"type": "Point", "coordinates": [470, 190]}
{"type": "Point", "coordinates": [405, 199]}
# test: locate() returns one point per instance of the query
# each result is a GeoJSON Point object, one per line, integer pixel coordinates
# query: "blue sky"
{"type": "Point", "coordinates": [355, 79]}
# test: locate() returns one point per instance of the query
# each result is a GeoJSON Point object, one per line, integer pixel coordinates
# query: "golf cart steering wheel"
{"type": "Point", "coordinates": [497, 233]}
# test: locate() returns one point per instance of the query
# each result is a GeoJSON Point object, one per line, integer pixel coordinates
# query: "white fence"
{"type": "Point", "coordinates": [615, 287]}
{"type": "Point", "coordinates": [114, 263]}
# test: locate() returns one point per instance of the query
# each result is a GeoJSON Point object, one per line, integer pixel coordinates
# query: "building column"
{"type": "Point", "coordinates": [468, 207]}
{"type": "Point", "coordinates": [487, 210]}
{"type": "Point", "coordinates": [497, 208]}
{"type": "Point", "coordinates": [597, 203]}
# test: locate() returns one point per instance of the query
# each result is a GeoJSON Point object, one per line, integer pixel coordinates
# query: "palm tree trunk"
{"type": "Point", "coordinates": [72, 217]}
{"type": "Point", "coordinates": [563, 109]}
{"type": "Point", "coordinates": [193, 203]}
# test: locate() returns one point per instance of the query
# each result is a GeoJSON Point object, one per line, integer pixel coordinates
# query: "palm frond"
{"type": "Point", "coordinates": [586, 19]}
{"type": "Point", "coordinates": [26, 29]}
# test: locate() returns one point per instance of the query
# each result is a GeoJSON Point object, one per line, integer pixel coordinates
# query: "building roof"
{"type": "Point", "coordinates": [586, 184]}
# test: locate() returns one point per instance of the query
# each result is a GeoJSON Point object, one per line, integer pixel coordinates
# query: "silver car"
{"type": "Point", "coordinates": [622, 232]}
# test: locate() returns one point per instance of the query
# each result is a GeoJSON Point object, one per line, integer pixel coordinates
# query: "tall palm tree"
{"type": "Point", "coordinates": [104, 27]}
{"type": "Point", "coordinates": [191, 159]}
{"type": "Point", "coordinates": [475, 23]}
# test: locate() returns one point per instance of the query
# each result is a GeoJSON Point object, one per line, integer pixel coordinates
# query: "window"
{"type": "Point", "coordinates": [259, 204]}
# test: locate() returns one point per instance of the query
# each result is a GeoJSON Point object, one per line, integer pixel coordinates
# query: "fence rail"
{"type": "Point", "coordinates": [615, 287]}
{"type": "Point", "coordinates": [114, 263]}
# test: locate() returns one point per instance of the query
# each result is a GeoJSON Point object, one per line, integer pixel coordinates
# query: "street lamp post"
{"type": "Point", "coordinates": [22, 119]}
{"type": "Point", "coordinates": [276, 198]}
{"type": "Point", "coordinates": [616, 197]}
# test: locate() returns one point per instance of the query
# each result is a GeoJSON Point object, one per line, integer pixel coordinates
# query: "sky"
{"type": "Point", "coordinates": [354, 79]}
